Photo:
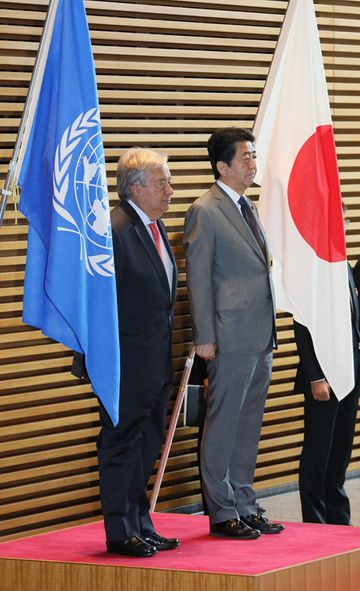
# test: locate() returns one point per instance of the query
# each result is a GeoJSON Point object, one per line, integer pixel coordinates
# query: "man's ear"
{"type": "Point", "coordinates": [221, 167]}
{"type": "Point", "coordinates": [135, 189]}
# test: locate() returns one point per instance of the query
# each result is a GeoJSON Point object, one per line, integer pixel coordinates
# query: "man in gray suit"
{"type": "Point", "coordinates": [232, 307]}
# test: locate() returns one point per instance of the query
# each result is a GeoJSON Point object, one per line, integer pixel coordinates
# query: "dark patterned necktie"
{"type": "Point", "coordinates": [252, 223]}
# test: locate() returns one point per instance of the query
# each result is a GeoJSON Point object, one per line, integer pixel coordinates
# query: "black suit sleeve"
{"type": "Point", "coordinates": [309, 364]}
{"type": "Point", "coordinates": [78, 368]}
{"type": "Point", "coordinates": [356, 275]}
{"type": "Point", "coordinates": [198, 372]}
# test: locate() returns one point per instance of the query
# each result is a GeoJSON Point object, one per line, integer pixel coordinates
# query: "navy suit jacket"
{"type": "Point", "coordinates": [145, 304]}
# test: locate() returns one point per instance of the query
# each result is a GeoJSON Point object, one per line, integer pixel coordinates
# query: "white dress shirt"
{"type": "Point", "coordinates": [169, 269]}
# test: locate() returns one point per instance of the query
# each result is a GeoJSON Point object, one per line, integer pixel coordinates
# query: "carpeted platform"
{"type": "Point", "coordinates": [299, 543]}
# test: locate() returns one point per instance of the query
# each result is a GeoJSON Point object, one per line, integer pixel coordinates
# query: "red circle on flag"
{"type": "Point", "coordinates": [314, 196]}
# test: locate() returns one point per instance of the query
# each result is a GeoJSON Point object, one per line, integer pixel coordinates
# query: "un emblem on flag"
{"type": "Point", "coordinates": [80, 191]}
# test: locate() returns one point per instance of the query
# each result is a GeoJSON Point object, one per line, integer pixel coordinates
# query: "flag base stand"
{"type": "Point", "coordinates": [172, 427]}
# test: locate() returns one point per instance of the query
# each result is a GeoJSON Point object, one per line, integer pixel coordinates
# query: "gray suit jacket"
{"type": "Point", "coordinates": [230, 288]}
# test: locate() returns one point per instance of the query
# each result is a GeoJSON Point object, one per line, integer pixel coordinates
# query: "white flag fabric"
{"type": "Point", "coordinates": [300, 200]}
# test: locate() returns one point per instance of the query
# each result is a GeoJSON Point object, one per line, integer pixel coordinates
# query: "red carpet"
{"type": "Point", "coordinates": [299, 543]}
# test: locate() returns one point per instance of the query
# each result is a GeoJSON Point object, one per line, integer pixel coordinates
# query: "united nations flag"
{"type": "Point", "coordinates": [70, 291]}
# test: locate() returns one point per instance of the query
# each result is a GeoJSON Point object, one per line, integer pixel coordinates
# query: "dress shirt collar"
{"type": "Point", "coordinates": [142, 215]}
{"type": "Point", "coordinates": [169, 267]}
{"type": "Point", "coordinates": [234, 196]}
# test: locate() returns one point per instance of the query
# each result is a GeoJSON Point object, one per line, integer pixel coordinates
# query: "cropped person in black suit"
{"type": "Point", "coordinates": [146, 276]}
{"type": "Point", "coordinates": [329, 427]}
{"type": "Point", "coordinates": [198, 376]}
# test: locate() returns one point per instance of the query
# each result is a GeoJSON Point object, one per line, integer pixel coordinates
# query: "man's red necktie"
{"type": "Point", "coordinates": [156, 234]}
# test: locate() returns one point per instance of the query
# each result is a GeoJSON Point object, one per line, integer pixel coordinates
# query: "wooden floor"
{"type": "Point", "coordinates": [337, 573]}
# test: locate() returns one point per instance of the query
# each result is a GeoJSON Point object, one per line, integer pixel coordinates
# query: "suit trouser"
{"type": "Point", "coordinates": [328, 438]}
{"type": "Point", "coordinates": [126, 455]}
{"type": "Point", "coordinates": [238, 386]}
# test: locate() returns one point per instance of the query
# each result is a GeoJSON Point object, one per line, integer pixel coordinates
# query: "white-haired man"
{"type": "Point", "coordinates": [146, 283]}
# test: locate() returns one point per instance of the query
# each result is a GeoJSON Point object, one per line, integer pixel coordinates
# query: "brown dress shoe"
{"type": "Point", "coordinates": [133, 546]}
{"type": "Point", "coordinates": [234, 528]}
{"type": "Point", "coordinates": [263, 524]}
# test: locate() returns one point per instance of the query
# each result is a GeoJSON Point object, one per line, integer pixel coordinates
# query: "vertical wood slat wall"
{"type": "Point", "coordinates": [169, 72]}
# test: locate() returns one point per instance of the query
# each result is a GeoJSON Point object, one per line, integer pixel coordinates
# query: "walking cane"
{"type": "Point", "coordinates": [171, 430]}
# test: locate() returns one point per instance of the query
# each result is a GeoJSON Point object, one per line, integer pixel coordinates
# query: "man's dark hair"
{"type": "Point", "coordinates": [222, 145]}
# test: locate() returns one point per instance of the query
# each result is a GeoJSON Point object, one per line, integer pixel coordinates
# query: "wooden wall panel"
{"type": "Point", "coordinates": [169, 72]}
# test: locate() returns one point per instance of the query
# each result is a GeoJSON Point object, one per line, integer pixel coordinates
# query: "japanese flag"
{"type": "Point", "coordinates": [300, 201]}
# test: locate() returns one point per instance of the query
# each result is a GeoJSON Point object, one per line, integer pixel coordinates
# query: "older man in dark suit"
{"type": "Point", "coordinates": [146, 283]}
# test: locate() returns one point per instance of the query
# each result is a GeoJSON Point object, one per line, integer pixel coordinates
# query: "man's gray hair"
{"type": "Point", "coordinates": [132, 168]}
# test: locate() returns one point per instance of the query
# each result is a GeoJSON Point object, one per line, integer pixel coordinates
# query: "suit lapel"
{"type": "Point", "coordinates": [230, 210]}
{"type": "Point", "coordinates": [149, 245]}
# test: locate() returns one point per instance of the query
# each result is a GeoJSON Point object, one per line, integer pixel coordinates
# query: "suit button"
{"type": "Point", "coordinates": [269, 297]}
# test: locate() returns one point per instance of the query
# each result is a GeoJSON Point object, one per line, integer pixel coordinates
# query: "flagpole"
{"type": "Point", "coordinates": [171, 430]}
{"type": "Point", "coordinates": [35, 83]}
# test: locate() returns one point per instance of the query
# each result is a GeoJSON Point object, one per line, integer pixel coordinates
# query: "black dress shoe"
{"type": "Point", "coordinates": [234, 528]}
{"type": "Point", "coordinates": [159, 542]}
{"type": "Point", "coordinates": [133, 546]}
{"type": "Point", "coordinates": [261, 523]}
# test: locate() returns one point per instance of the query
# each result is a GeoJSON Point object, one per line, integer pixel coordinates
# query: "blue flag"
{"type": "Point", "coordinates": [70, 290]}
